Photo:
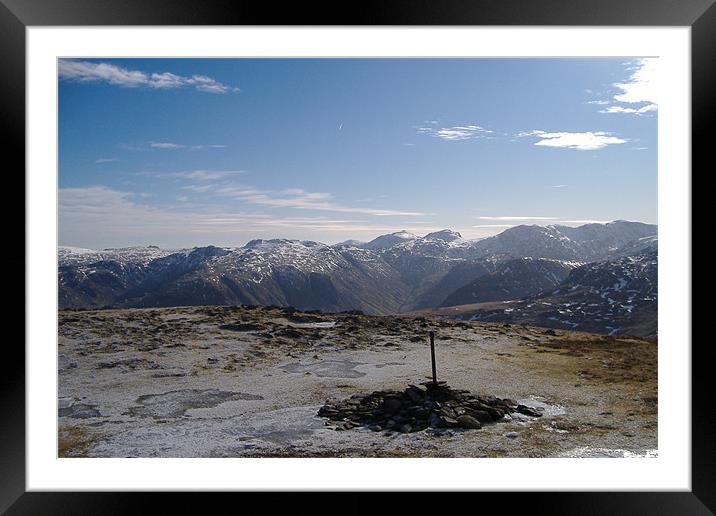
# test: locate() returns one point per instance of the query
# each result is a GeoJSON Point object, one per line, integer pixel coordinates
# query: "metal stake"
{"type": "Point", "coordinates": [432, 356]}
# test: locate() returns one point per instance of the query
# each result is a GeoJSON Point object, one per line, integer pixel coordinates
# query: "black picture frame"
{"type": "Point", "coordinates": [17, 15]}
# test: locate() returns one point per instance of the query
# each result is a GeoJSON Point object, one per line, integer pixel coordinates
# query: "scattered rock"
{"type": "Point", "coordinates": [65, 363]}
{"type": "Point", "coordinates": [466, 421]}
{"type": "Point", "coordinates": [168, 374]}
{"type": "Point", "coordinates": [449, 422]}
{"type": "Point", "coordinates": [528, 411]}
{"type": "Point", "coordinates": [76, 410]}
{"type": "Point", "coordinates": [512, 435]}
{"type": "Point", "coordinates": [290, 333]}
{"type": "Point", "coordinates": [241, 327]}
{"type": "Point", "coordinates": [129, 364]}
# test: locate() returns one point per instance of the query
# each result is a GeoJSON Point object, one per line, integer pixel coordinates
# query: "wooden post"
{"type": "Point", "coordinates": [432, 356]}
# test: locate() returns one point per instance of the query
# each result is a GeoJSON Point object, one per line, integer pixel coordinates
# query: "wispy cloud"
{"type": "Point", "coordinates": [99, 216]}
{"type": "Point", "coordinates": [194, 175]}
{"type": "Point", "coordinates": [458, 132]}
{"type": "Point", "coordinates": [85, 71]}
{"type": "Point", "coordinates": [559, 186]}
{"type": "Point", "coordinates": [211, 146]}
{"type": "Point", "coordinates": [636, 111]}
{"type": "Point", "coordinates": [518, 218]}
{"type": "Point", "coordinates": [106, 160]}
{"type": "Point", "coordinates": [172, 146]}
{"type": "Point", "coordinates": [578, 141]}
{"type": "Point", "coordinates": [166, 145]}
{"type": "Point", "coordinates": [294, 198]}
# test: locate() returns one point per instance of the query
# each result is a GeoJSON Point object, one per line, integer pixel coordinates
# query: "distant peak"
{"type": "Point", "coordinates": [350, 242]}
{"type": "Point", "coordinates": [447, 235]}
{"type": "Point", "coordinates": [385, 241]}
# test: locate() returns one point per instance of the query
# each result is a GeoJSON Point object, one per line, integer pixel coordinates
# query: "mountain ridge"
{"type": "Point", "coordinates": [393, 273]}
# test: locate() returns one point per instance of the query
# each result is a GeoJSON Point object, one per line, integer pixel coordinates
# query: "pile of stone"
{"type": "Point", "coordinates": [420, 407]}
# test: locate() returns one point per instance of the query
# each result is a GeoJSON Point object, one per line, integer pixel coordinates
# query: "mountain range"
{"type": "Point", "coordinates": [605, 274]}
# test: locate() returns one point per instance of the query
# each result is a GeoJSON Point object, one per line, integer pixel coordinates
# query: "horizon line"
{"type": "Point", "coordinates": [59, 246]}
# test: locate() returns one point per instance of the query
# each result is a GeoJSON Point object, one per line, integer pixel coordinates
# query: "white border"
{"type": "Point", "coordinates": [671, 470]}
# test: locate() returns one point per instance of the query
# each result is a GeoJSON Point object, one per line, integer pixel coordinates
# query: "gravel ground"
{"type": "Point", "coordinates": [248, 382]}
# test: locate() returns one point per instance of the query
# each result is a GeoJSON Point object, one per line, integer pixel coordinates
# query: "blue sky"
{"type": "Point", "coordinates": [186, 152]}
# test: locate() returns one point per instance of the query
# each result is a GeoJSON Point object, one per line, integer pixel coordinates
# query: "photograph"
{"type": "Point", "coordinates": [357, 257]}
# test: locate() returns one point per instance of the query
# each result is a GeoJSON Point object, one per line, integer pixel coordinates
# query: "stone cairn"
{"type": "Point", "coordinates": [419, 407]}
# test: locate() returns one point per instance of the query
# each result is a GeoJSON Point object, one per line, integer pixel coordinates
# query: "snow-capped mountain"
{"type": "Point", "coordinates": [617, 297]}
{"type": "Point", "coordinates": [590, 242]}
{"type": "Point", "coordinates": [446, 235]}
{"type": "Point", "coordinates": [135, 255]}
{"type": "Point", "coordinates": [386, 241]}
{"type": "Point", "coordinates": [639, 246]}
{"type": "Point", "coordinates": [349, 243]}
{"type": "Point", "coordinates": [393, 273]}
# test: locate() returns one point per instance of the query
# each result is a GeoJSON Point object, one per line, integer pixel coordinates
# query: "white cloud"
{"type": "Point", "coordinates": [165, 145]}
{"type": "Point", "coordinates": [494, 226]}
{"type": "Point", "coordinates": [195, 175]}
{"type": "Point", "coordinates": [521, 217]}
{"type": "Point", "coordinates": [104, 72]}
{"type": "Point", "coordinates": [641, 85]}
{"type": "Point", "coordinates": [85, 71]}
{"type": "Point", "coordinates": [560, 186]}
{"type": "Point", "coordinates": [637, 111]}
{"type": "Point", "coordinates": [459, 132]}
{"type": "Point", "coordinates": [579, 141]}
{"type": "Point", "coordinates": [639, 88]}
{"type": "Point", "coordinates": [171, 145]}
{"type": "Point", "coordinates": [212, 146]}
{"type": "Point", "coordinates": [106, 160]}
{"type": "Point", "coordinates": [208, 175]}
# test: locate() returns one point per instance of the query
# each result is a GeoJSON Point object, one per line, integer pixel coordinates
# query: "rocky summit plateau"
{"type": "Point", "coordinates": [262, 381]}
